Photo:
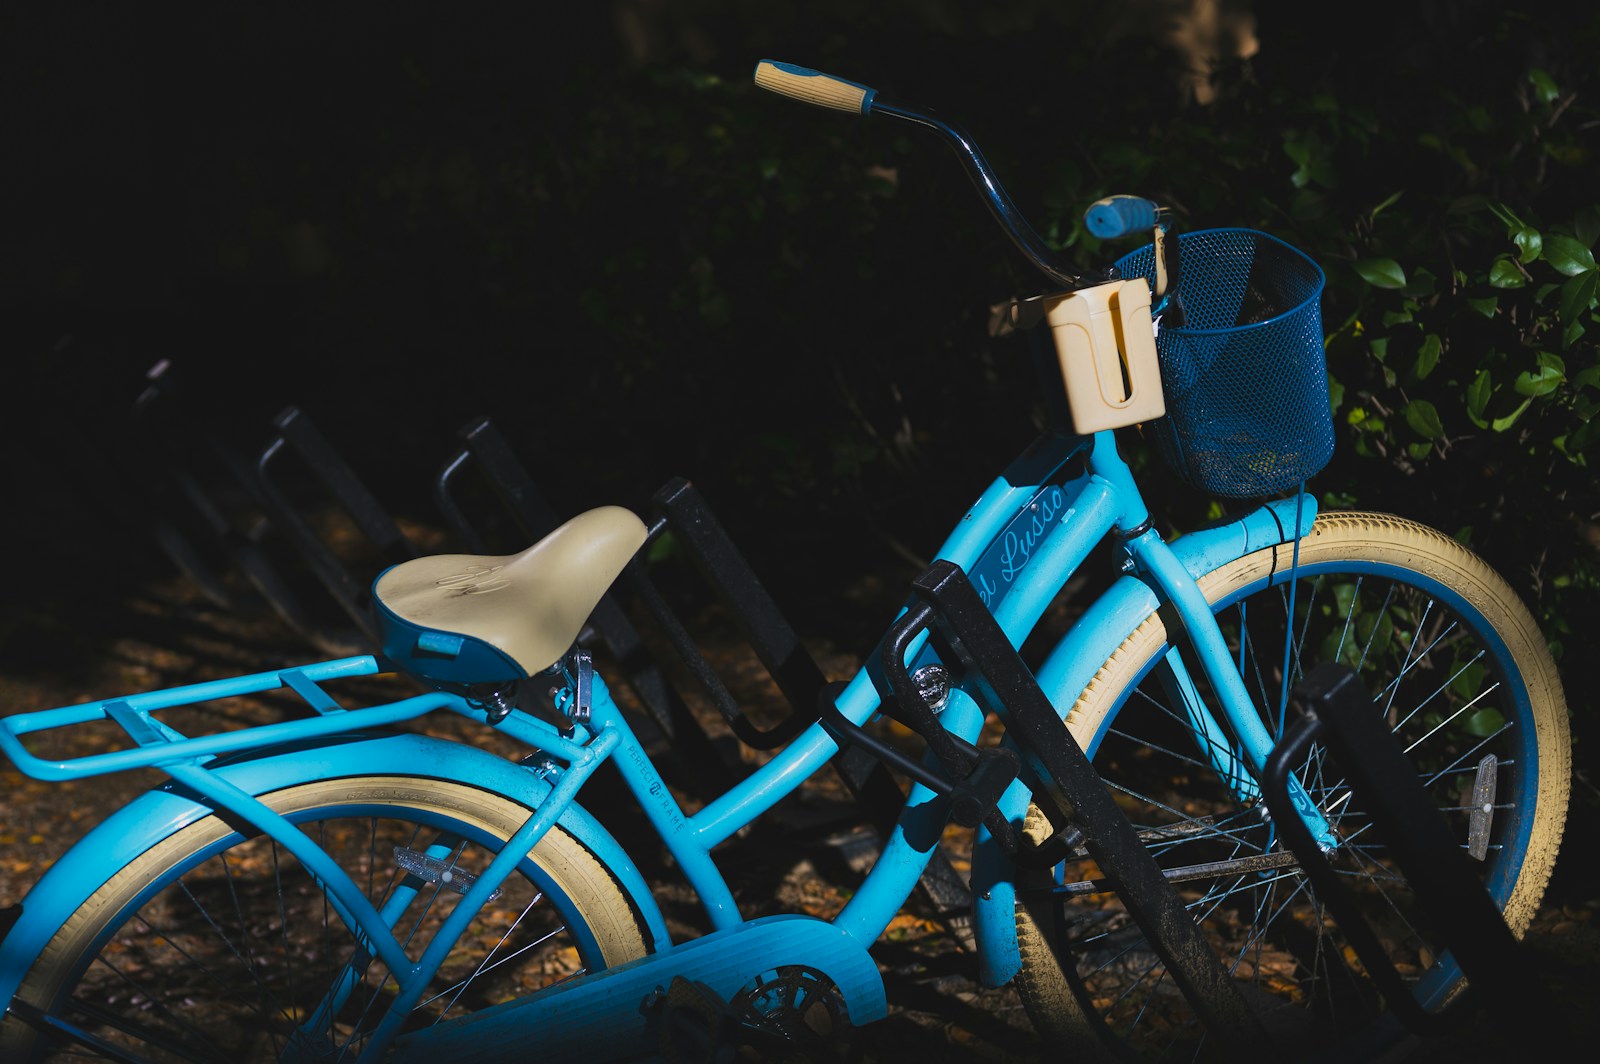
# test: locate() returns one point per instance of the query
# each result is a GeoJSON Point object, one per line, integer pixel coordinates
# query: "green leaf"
{"type": "Point", "coordinates": [1541, 381]}
{"type": "Point", "coordinates": [1586, 225]}
{"type": "Point", "coordinates": [1391, 201]}
{"type": "Point", "coordinates": [1421, 283]}
{"type": "Point", "coordinates": [1381, 273]}
{"type": "Point", "coordinates": [1577, 295]}
{"type": "Point", "coordinates": [664, 546]}
{"type": "Point", "coordinates": [1423, 417]}
{"type": "Point", "coordinates": [1478, 393]}
{"type": "Point", "coordinates": [1428, 355]}
{"type": "Point", "coordinates": [1544, 86]}
{"type": "Point", "coordinates": [1314, 159]}
{"type": "Point", "coordinates": [1586, 434]}
{"type": "Point", "coordinates": [1506, 216]}
{"type": "Point", "coordinates": [1485, 722]}
{"type": "Point", "coordinates": [1505, 274]}
{"type": "Point", "coordinates": [1528, 241]}
{"type": "Point", "coordinates": [1567, 255]}
{"type": "Point", "coordinates": [1500, 424]}
{"type": "Point", "coordinates": [1418, 451]}
{"type": "Point", "coordinates": [1485, 305]}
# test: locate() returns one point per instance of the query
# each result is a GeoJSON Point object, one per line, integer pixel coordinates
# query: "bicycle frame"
{"type": "Point", "coordinates": [1019, 543]}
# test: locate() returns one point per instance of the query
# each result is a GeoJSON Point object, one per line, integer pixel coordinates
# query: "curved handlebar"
{"type": "Point", "coordinates": [825, 90]}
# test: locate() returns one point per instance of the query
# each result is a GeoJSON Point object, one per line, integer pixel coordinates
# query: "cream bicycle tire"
{"type": "Point", "coordinates": [564, 865]}
{"type": "Point", "coordinates": [1063, 1008]}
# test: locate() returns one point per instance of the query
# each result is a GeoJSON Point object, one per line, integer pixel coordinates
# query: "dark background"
{"type": "Point", "coordinates": [587, 224]}
{"type": "Point", "coordinates": [398, 218]}
{"type": "Point", "coordinates": [584, 222]}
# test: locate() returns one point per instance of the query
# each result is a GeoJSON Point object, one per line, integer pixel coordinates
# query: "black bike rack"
{"type": "Point", "coordinates": [1064, 784]}
{"type": "Point", "coordinates": [679, 506]}
{"type": "Point", "coordinates": [205, 506]}
{"type": "Point", "coordinates": [338, 483]}
{"type": "Point", "coordinates": [124, 460]}
{"type": "Point", "coordinates": [1339, 712]}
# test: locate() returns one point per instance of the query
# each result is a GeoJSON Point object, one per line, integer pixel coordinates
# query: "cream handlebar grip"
{"type": "Point", "coordinates": [813, 87]}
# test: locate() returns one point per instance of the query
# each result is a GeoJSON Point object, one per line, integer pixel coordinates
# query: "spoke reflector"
{"type": "Point", "coordinates": [1482, 815]}
{"type": "Point", "coordinates": [437, 872]}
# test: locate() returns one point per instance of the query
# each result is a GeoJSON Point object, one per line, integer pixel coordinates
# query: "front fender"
{"type": "Point", "coordinates": [157, 813]}
{"type": "Point", "coordinates": [1067, 670]}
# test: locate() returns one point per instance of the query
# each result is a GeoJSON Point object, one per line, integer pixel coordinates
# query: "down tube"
{"type": "Point", "coordinates": [1075, 532]}
{"type": "Point", "coordinates": [1108, 621]}
{"type": "Point", "coordinates": [1002, 506]}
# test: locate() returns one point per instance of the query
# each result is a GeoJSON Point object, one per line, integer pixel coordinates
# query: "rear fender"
{"type": "Point", "coordinates": [158, 813]}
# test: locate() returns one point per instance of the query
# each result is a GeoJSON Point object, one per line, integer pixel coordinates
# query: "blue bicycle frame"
{"type": "Point", "coordinates": [1019, 543]}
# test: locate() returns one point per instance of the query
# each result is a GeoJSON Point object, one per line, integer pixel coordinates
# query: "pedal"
{"type": "Point", "coordinates": [697, 1026]}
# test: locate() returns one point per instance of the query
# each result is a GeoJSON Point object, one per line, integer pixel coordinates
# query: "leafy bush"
{"type": "Point", "coordinates": [615, 245]}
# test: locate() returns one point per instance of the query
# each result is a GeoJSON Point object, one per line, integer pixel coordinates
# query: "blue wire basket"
{"type": "Point", "coordinates": [1244, 374]}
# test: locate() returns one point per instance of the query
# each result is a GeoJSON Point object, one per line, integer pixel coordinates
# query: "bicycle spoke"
{"type": "Point", "coordinates": [1434, 676]}
{"type": "Point", "coordinates": [237, 955]}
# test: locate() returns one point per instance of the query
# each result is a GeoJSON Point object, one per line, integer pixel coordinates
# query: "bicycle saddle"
{"type": "Point", "coordinates": [472, 618]}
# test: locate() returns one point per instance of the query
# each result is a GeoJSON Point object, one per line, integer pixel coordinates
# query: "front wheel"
{"type": "Point", "coordinates": [216, 945]}
{"type": "Point", "coordinates": [1457, 668]}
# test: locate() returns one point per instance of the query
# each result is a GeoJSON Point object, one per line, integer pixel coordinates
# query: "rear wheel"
{"type": "Point", "coordinates": [217, 946]}
{"type": "Point", "coordinates": [1457, 668]}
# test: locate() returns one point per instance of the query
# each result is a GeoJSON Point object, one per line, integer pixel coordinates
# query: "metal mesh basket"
{"type": "Point", "coordinates": [1245, 376]}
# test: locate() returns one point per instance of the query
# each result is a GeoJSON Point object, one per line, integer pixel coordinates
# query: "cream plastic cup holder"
{"type": "Point", "coordinates": [1107, 350]}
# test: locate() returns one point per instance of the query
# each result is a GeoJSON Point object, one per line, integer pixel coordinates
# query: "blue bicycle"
{"type": "Point", "coordinates": [337, 886]}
